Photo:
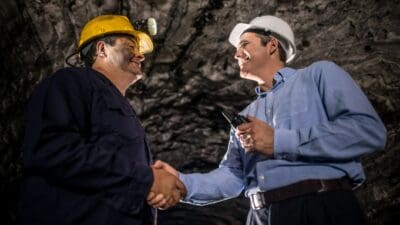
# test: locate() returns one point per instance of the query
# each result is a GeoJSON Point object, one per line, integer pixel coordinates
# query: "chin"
{"type": "Point", "coordinates": [137, 76]}
{"type": "Point", "coordinates": [136, 73]}
{"type": "Point", "coordinates": [248, 76]}
{"type": "Point", "coordinates": [244, 74]}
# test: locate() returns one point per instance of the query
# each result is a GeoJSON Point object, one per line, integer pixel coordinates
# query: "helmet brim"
{"type": "Point", "coordinates": [145, 42]}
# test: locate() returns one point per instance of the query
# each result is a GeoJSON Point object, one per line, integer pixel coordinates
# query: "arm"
{"type": "Point", "coordinates": [217, 185]}
{"type": "Point", "coordinates": [220, 184]}
{"type": "Point", "coordinates": [212, 187]}
{"type": "Point", "coordinates": [203, 188]}
{"type": "Point", "coordinates": [351, 130]}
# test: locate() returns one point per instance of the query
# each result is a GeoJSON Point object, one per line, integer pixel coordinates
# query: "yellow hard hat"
{"type": "Point", "coordinates": [113, 24]}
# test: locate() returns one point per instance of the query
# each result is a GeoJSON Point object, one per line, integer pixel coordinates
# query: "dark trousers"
{"type": "Point", "coordinates": [326, 208]}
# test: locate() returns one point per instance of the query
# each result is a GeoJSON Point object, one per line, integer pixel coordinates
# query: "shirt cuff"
{"type": "Point", "coordinates": [186, 181]}
{"type": "Point", "coordinates": [285, 144]}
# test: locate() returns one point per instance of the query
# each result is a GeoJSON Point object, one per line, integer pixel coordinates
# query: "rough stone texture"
{"type": "Point", "coordinates": [192, 75]}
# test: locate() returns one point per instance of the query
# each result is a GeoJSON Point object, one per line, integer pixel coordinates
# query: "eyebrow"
{"type": "Point", "coordinates": [243, 41]}
{"type": "Point", "coordinates": [132, 42]}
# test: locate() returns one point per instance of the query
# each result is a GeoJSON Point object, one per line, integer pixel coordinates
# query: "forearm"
{"type": "Point", "coordinates": [207, 188]}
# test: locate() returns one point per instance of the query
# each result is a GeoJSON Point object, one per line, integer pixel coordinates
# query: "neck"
{"type": "Point", "coordinates": [267, 75]}
{"type": "Point", "coordinates": [120, 80]}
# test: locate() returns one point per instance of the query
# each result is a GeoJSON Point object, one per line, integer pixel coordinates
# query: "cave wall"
{"type": "Point", "coordinates": [192, 75]}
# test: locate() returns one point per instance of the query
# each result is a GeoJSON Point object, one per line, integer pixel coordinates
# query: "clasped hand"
{"type": "Point", "coordinates": [167, 189]}
{"type": "Point", "coordinates": [256, 135]}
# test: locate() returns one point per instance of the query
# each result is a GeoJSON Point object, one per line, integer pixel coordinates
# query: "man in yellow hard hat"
{"type": "Point", "coordinates": [86, 158]}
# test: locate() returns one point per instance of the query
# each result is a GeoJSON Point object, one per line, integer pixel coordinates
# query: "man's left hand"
{"type": "Point", "coordinates": [256, 135]}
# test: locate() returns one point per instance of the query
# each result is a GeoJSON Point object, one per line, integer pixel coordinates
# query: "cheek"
{"type": "Point", "coordinates": [116, 58]}
{"type": "Point", "coordinates": [258, 56]}
{"type": "Point", "coordinates": [127, 54]}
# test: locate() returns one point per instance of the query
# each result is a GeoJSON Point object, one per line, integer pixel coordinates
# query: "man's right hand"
{"type": "Point", "coordinates": [167, 189]}
{"type": "Point", "coordinates": [165, 166]}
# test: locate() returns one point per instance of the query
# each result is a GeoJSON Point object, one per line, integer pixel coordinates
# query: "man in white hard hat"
{"type": "Point", "coordinates": [298, 157]}
{"type": "Point", "coordinates": [86, 157]}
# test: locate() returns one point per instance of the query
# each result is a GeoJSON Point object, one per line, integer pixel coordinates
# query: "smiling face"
{"type": "Point", "coordinates": [251, 56]}
{"type": "Point", "coordinates": [125, 56]}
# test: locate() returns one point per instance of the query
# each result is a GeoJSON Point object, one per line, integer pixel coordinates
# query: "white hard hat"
{"type": "Point", "coordinates": [278, 28]}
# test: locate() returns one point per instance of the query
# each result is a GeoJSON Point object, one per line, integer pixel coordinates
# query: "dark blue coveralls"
{"type": "Point", "coordinates": [85, 155]}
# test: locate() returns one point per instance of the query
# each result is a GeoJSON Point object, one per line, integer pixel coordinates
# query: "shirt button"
{"type": "Point", "coordinates": [261, 177]}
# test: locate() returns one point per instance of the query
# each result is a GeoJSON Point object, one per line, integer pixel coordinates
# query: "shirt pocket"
{"type": "Point", "coordinates": [120, 117]}
{"type": "Point", "coordinates": [292, 105]}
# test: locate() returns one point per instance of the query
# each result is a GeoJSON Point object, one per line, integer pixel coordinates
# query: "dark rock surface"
{"type": "Point", "coordinates": [192, 75]}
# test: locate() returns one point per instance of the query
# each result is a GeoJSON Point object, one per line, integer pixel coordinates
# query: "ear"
{"type": "Point", "coordinates": [101, 49]}
{"type": "Point", "coordinates": [273, 45]}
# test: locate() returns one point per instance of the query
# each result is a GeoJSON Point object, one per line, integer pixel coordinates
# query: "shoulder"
{"type": "Point", "coordinates": [321, 66]}
{"type": "Point", "coordinates": [328, 73]}
{"type": "Point", "coordinates": [77, 77]}
{"type": "Point", "coordinates": [69, 81]}
{"type": "Point", "coordinates": [323, 70]}
{"type": "Point", "coordinates": [70, 74]}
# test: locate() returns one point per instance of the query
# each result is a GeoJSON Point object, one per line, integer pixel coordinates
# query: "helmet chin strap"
{"type": "Point", "coordinates": [81, 55]}
{"type": "Point", "coordinates": [67, 60]}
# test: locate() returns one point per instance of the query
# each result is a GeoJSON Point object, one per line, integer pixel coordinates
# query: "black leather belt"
{"type": "Point", "coordinates": [261, 199]}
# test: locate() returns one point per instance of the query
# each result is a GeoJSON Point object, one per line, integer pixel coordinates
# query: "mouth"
{"type": "Point", "coordinates": [243, 60]}
{"type": "Point", "coordinates": [137, 63]}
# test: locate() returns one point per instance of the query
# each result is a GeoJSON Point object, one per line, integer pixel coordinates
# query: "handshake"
{"type": "Point", "coordinates": [167, 190]}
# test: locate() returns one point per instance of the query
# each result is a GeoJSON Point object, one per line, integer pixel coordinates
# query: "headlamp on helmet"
{"type": "Point", "coordinates": [148, 25]}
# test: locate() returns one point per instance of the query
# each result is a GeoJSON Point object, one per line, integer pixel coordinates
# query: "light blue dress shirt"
{"type": "Point", "coordinates": [323, 123]}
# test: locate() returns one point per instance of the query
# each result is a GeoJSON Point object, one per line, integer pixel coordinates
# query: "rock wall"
{"type": "Point", "coordinates": [192, 75]}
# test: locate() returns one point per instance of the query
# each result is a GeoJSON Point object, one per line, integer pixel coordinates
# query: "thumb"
{"type": "Point", "coordinates": [158, 164]}
{"type": "Point", "coordinates": [252, 118]}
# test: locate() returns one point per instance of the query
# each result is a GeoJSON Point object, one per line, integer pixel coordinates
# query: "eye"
{"type": "Point", "coordinates": [243, 44]}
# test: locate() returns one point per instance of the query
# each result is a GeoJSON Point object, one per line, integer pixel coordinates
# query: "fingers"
{"type": "Point", "coordinates": [244, 133]}
{"type": "Point", "coordinates": [157, 200]}
{"type": "Point", "coordinates": [173, 200]}
{"type": "Point", "coordinates": [242, 129]}
{"type": "Point", "coordinates": [246, 141]}
{"type": "Point", "coordinates": [162, 202]}
{"type": "Point", "coordinates": [150, 196]}
{"type": "Point", "coordinates": [176, 196]}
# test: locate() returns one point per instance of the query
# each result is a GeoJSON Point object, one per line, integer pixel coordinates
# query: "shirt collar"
{"type": "Point", "coordinates": [281, 76]}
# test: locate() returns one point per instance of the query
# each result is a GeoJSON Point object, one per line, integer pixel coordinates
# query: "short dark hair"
{"type": "Point", "coordinates": [265, 37]}
{"type": "Point", "coordinates": [88, 52]}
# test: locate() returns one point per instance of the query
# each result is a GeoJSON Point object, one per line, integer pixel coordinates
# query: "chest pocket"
{"type": "Point", "coordinates": [120, 117]}
{"type": "Point", "coordinates": [291, 105]}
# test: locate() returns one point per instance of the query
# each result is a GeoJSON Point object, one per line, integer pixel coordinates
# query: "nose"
{"type": "Point", "coordinates": [140, 56]}
{"type": "Point", "coordinates": [239, 53]}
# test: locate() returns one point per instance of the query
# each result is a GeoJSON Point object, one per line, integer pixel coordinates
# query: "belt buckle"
{"type": "Point", "coordinates": [257, 201]}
